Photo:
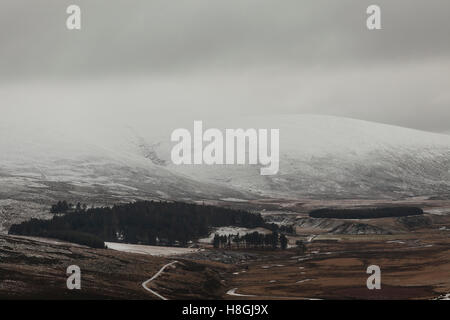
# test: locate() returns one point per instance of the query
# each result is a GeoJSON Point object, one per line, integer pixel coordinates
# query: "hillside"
{"type": "Point", "coordinates": [321, 157]}
{"type": "Point", "coordinates": [332, 157]}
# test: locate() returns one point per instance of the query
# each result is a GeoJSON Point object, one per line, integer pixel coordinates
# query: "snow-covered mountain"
{"type": "Point", "coordinates": [320, 156]}
{"type": "Point", "coordinates": [332, 157]}
{"type": "Point", "coordinates": [101, 163]}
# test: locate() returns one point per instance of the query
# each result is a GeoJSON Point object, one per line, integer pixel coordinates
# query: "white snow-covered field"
{"type": "Point", "coordinates": [225, 231]}
{"type": "Point", "coordinates": [438, 211]}
{"type": "Point", "coordinates": [233, 200]}
{"type": "Point", "coordinates": [150, 250]}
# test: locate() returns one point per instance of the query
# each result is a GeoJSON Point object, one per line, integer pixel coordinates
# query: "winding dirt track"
{"type": "Point", "coordinates": [156, 275]}
{"type": "Point", "coordinates": [233, 292]}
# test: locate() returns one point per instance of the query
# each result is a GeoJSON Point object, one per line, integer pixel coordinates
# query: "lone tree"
{"type": "Point", "coordinates": [283, 242]}
{"type": "Point", "coordinates": [301, 248]}
{"type": "Point", "coordinates": [274, 240]}
{"type": "Point", "coordinates": [216, 241]}
{"type": "Point", "coordinates": [60, 207]}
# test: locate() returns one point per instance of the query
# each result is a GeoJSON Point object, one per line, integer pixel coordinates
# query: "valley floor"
{"type": "Point", "coordinates": [36, 269]}
{"type": "Point", "coordinates": [415, 264]}
{"type": "Point", "coordinates": [412, 267]}
{"type": "Point", "coordinates": [415, 267]}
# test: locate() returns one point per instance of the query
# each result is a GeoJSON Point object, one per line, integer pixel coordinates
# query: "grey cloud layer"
{"type": "Point", "coordinates": [260, 56]}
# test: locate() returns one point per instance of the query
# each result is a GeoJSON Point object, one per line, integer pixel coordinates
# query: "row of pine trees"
{"type": "Point", "coordinates": [251, 240]}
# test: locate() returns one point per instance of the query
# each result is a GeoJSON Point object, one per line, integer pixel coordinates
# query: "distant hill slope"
{"type": "Point", "coordinates": [332, 157]}
{"type": "Point", "coordinates": [320, 157]}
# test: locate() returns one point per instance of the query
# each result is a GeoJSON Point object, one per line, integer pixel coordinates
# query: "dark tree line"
{"type": "Point", "coordinates": [61, 207]}
{"type": "Point", "coordinates": [64, 207]}
{"type": "Point", "coordinates": [143, 222]}
{"type": "Point", "coordinates": [366, 213]}
{"type": "Point", "coordinates": [251, 240]}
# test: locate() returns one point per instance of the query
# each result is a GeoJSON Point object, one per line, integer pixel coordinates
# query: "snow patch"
{"type": "Point", "coordinates": [149, 250]}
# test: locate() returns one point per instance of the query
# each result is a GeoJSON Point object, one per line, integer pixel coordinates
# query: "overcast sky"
{"type": "Point", "coordinates": [206, 58]}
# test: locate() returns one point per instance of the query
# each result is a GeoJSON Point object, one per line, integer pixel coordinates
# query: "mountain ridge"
{"type": "Point", "coordinates": [321, 157]}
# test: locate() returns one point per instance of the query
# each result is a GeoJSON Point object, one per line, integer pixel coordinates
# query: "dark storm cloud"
{"type": "Point", "coordinates": [155, 36]}
{"type": "Point", "coordinates": [259, 56]}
